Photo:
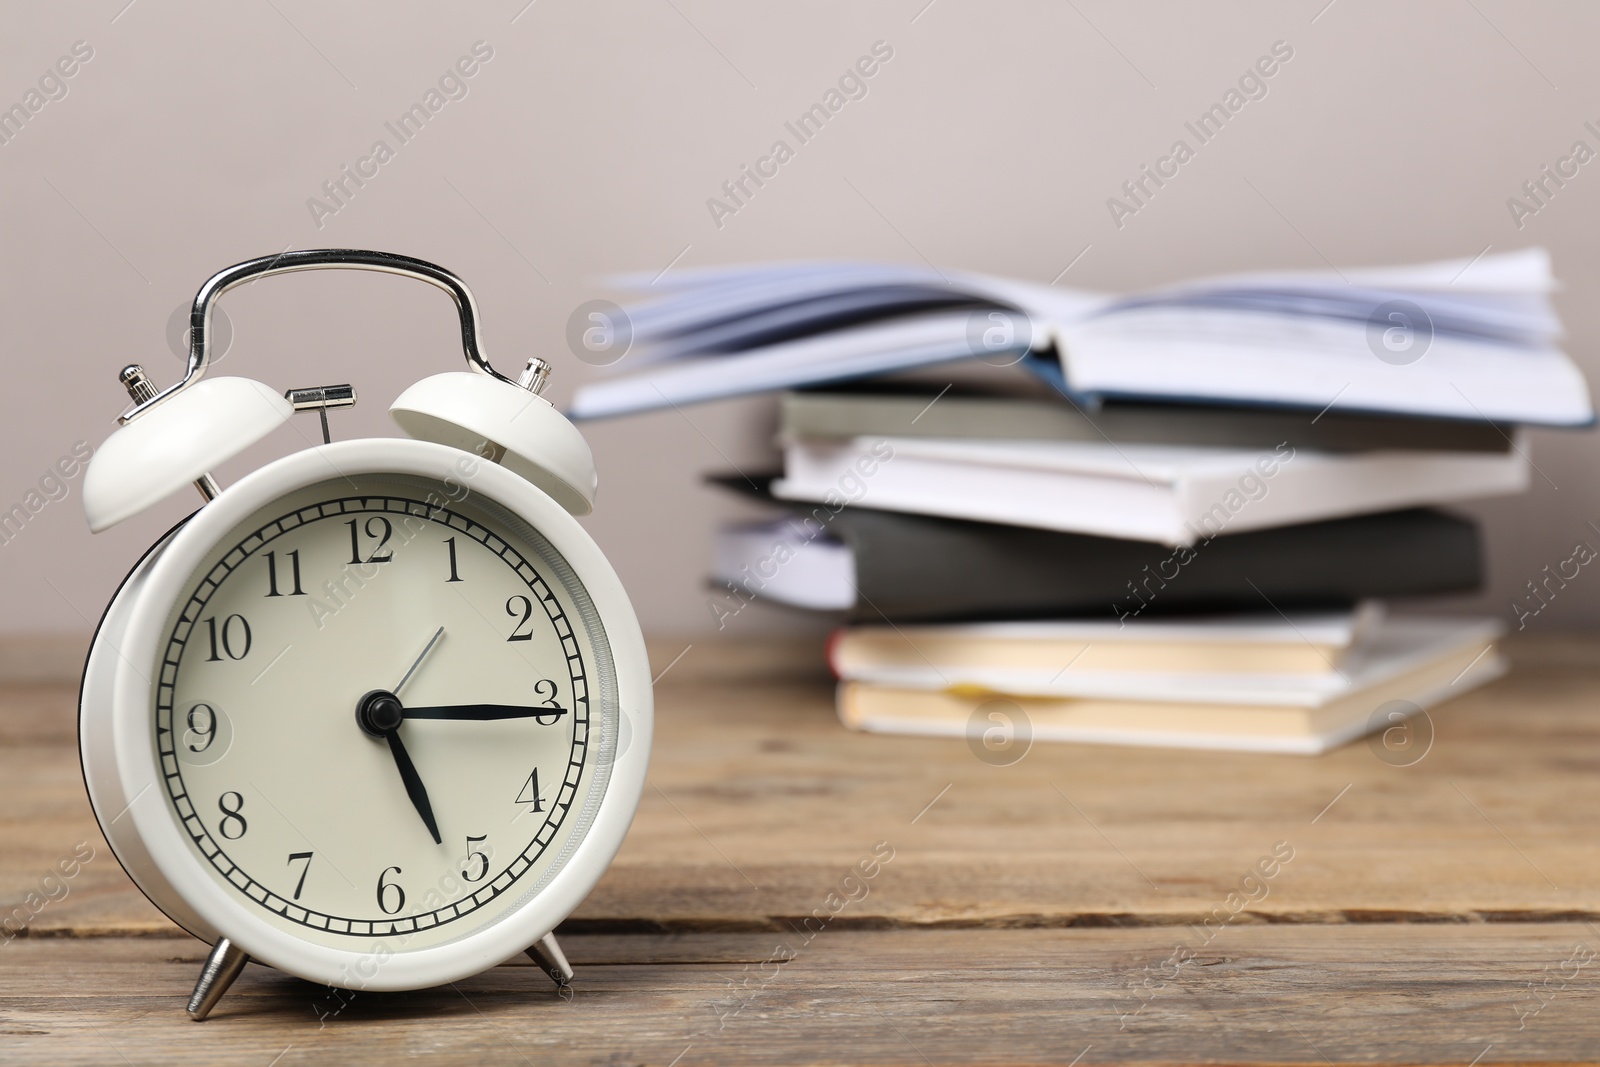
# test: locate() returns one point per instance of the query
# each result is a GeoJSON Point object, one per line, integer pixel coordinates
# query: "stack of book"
{"type": "Point", "coordinates": [1165, 519]}
{"type": "Point", "coordinates": [1291, 683]}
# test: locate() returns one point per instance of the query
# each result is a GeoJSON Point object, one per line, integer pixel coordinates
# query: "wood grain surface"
{"type": "Point", "coordinates": [1260, 994]}
{"type": "Point", "coordinates": [1106, 899]}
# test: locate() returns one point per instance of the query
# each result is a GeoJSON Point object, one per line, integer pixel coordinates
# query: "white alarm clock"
{"type": "Point", "coordinates": [378, 714]}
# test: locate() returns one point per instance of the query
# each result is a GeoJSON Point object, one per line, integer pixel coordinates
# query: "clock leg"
{"type": "Point", "coordinates": [546, 952]}
{"type": "Point", "coordinates": [222, 967]}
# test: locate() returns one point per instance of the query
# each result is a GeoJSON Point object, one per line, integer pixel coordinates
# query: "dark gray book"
{"type": "Point", "coordinates": [924, 412]}
{"type": "Point", "coordinates": [913, 568]}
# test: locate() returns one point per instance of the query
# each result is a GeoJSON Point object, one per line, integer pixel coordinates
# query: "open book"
{"type": "Point", "coordinates": [1465, 339]}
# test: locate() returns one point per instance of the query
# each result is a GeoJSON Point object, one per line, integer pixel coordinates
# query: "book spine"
{"type": "Point", "coordinates": [831, 651]}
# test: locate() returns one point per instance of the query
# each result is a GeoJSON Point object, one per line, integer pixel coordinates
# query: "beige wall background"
{"type": "Point", "coordinates": [591, 140]}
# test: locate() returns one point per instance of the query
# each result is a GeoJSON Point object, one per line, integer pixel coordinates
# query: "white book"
{"type": "Point", "coordinates": [1216, 355]}
{"type": "Point", "coordinates": [817, 572]}
{"type": "Point", "coordinates": [1176, 495]}
{"type": "Point", "coordinates": [877, 349]}
{"type": "Point", "coordinates": [1478, 343]}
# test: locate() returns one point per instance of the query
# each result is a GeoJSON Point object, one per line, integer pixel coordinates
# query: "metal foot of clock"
{"type": "Point", "coordinates": [546, 952]}
{"type": "Point", "coordinates": [222, 967]}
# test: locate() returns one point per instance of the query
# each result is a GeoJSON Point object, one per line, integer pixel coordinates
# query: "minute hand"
{"type": "Point", "coordinates": [485, 711]}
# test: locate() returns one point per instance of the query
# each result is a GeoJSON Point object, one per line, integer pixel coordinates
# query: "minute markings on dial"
{"type": "Point", "coordinates": [208, 583]}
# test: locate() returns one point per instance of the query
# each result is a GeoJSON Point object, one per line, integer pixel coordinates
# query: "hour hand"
{"type": "Point", "coordinates": [380, 714]}
{"type": "Point", "coordinates": [488, 711]}
{"type": "Point", "coordinates": [413, 782]}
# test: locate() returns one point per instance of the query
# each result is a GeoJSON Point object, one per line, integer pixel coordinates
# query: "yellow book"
{"type": "Point", "coordinates": [1308, 643]}
{"type": "Point", "coordinates": [1414, 664]}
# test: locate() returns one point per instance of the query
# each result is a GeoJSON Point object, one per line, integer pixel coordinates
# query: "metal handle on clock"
{"type": "Point", "coordinates": [532, 377]}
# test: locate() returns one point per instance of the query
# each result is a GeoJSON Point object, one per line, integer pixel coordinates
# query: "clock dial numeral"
{"type": "Point", "coordinates": [530, 792]}
{"type": "Point", "coordinates": [388, 891]}
{"type": "Point", "coordinates": [233, 823]}
{"type": "Point", "coordinates": [202, 726]}
{"type": "Point", "coordinates": [527, 613]}
{"type": "Point", "coordinates": [272, 573]}
{"type": "Point", "coordinates": [235, 640]}
{"type": "Point", "coordinates": [295, 857]}
{"type": "Point", "coordinates": [545, 690]}
{"type": "Point", "coordinates": [454, 577]}
{"type": "Point", "coordinates": [472, 854]}
{"type": "Point", "coordinates": [377, 527]}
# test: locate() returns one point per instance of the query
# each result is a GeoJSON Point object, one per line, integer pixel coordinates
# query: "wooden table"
{"type": "Point", "coordinates": [1071, 908]}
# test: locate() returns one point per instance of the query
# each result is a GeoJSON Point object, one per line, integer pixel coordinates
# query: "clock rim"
{"type": "Point", "coordinates": [137, 765]}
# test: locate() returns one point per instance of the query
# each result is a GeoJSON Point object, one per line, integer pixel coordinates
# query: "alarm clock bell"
{"type": "Point", "coordinates": [511, 425]}
{"type": "Point", "coordinates": [170, 446]}
{"type": "Point", "coordinates": [175, 436]}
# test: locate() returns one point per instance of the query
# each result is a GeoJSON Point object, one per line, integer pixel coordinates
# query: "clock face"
{"type": "Point", "coordinates": [386, 711]}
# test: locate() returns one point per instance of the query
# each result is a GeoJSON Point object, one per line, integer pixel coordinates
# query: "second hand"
{"type": "Point", "coordinates": [434, 640]}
